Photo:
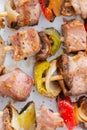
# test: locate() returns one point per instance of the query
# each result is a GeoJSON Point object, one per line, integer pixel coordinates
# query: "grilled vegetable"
{"type": "Point", "coordinates": [51, 8]}
{"type": "Point", "coordinates": [52, 86]}
{"type": "Point", "coordinates": [67, 112]}
{"type": "Point", "coordinates": [26, 118]}
{"type": "Point", "coordinates": [55, 37]}
{"type": "Point", "coordinates": [46, 10]}
{"type": "Point", "coordinates": [55, 5]}
{"type": "Point", "coordinates": [40, 69]}
{"type": "Point", "coordinates": [47, 88]}
{"type": "Point", "coordinates": [73, 113]}
{"type": "Point", "coordinates": [12, 120]}
{"type": "Point", "coordinates": [10, 115]}
{"type": "Point", "coordinates": [82, 108]}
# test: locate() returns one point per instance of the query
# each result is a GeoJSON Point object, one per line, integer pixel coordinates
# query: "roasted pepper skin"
{"type": "Point", "coordinates": [68, 112]}
{"type": "Point", "coordinates": [47, 11]}
{"type": "Point", "coordinates": [85, 24]}
{"type": "Point", "coordinates": [55, 37]}
{"type": "Point", "coordinates": [40, 68]}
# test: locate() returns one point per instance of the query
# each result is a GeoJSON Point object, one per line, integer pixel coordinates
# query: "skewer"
{"type": "Point", "coordinates": [3, 14]}
{"type": "Point", "coordinates": [8, 48]}
{"type": "Point", "coordinates": [54, 78]}
{"type": "Point", "coordinates": [59, 77]}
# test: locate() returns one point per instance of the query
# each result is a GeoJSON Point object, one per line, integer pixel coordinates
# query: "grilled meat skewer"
{"type": "Point", "coordinates": [24, 43]}
{"type": "Point", "coordinates": [74, 73]}
{"type": "Point", "coordinates": [22, 13]}
{"type": "Point", "coordinates": [16, 84]}
{"type": "Point", "coordinates": [75, 38]}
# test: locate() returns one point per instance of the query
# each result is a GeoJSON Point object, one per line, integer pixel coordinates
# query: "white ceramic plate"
{"type": "Point", "coordinates": [27, 65]}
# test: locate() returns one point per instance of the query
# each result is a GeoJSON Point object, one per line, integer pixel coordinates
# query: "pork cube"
{"type": "Point", "coordinates": [25, 43]}
{"type": "Point", "coordinates": [74, 72]}
{"type": "Point", "coordinates": [74, 36]}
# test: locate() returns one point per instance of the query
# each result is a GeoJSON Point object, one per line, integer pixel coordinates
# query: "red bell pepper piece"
{"type": "Point", "coordinates": [85, 27]}
{"type": "Point", "coordinates": [67, 112]}
{"type": "Point", "coordinates": [46, 10]}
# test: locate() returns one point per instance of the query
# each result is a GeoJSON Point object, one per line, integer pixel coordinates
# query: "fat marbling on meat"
{"type": "Point", "coordinates": [74, 36]}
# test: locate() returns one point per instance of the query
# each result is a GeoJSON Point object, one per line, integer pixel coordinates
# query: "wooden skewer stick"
{"type": "Point", "coordinates": [62, 39]}
{"type": "Point", "coordinates": [8, 48]}
{"type": "Point", "coordinates": [54, 78]}
{"type": "Point", "coordinates": [3, 14]}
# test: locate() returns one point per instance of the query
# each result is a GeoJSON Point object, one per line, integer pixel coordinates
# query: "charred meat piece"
{"type": "Point", "coordinates": [73, 70]}
{"type": "Point", "coordinates": [80, 7]}
{"type": "Point", "coordinates": [22, 13]}
{"type": "Point", "coordinates": [16, 84]}
{"type": "Point", "coordinates": [74, 36]}
{"type": "Point", "coordinates": [25, 43]}
{"type": "Point", "coordinates": [67, 9]}
{"type": "Point", "coordinates": [45, 51]}
{"type": "Point", "coordinates": [48, 120]}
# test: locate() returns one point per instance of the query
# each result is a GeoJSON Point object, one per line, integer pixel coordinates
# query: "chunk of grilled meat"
{"type": "Point", "coordinates": [45, 51]}
{"type": "Point", "coordinates": [16, 84]}
{"type": "Point", "coordinates": [48, 120]}
{"type": "Point", "coordinates": [74, 72]}
{"type": "Point", "coordinates": [25, 43]}
{"type": "Point", "coordinates": [80, 7]}
{"type": "Point", "coordinates": [74, 36]}
{"type": "Point", "coordinates": [22, 12]}
{"type": "Point", "coordinates": [67, 9]}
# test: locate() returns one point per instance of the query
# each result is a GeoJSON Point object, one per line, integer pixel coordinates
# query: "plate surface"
{"type": "Point", "coordinates": [27, 65]}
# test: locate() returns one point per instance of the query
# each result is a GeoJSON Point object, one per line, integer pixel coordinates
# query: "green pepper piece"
{"type": "Point", "coordinates": [27, 119]}
{"type": "Point", "coordinates": [40, 68]}
{"type": "Point", "coordinates": [54, 35]}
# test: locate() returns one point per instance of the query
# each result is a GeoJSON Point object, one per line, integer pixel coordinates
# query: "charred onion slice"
{"type": "Point", "coordinates": [10, 115]}
{"type": "Point", "coordinates": [26, 118]}
{"type": "Point", "coordinates": [82, 110]}
{"type": "Point", "coordinates": [12, 16]}
{"type": "Point", "coordinates": [52, 87]}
